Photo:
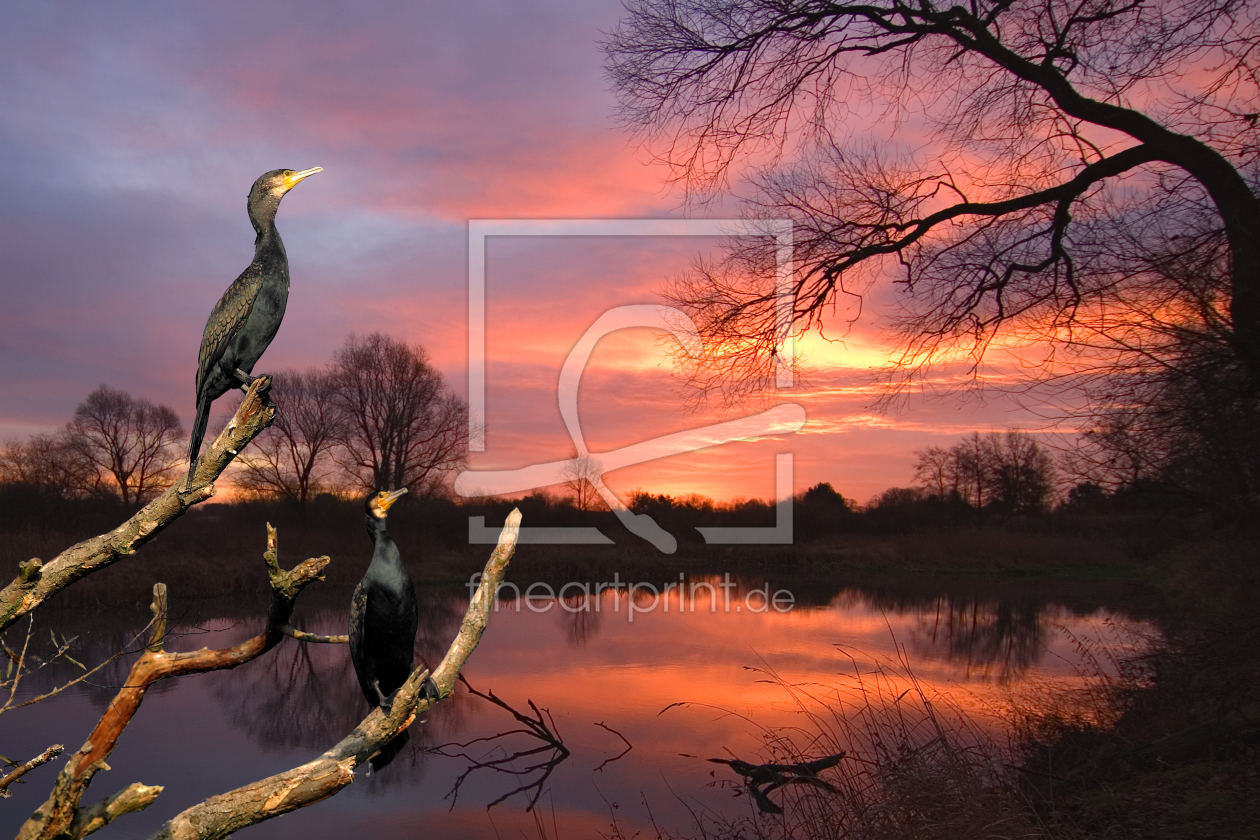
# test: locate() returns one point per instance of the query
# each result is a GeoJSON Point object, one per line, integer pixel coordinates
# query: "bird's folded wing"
{"type": "Point", "coordinates": [229, 315]}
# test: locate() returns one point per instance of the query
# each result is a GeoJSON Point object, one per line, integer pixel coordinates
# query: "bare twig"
{"type": "Point", "coordinates": [54, 692]}
{"type": "Point", "coordinates": [219, 816]}
{"type": "Point", "coordinates": [44, 757]}
{"type": "Point", "coordinates": [37, 582]}
{"type": "Point", "coordinates": [303, 636]}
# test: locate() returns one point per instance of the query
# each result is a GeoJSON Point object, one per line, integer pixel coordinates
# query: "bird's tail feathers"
{"type": "Point", "coordinates": [199, 432]}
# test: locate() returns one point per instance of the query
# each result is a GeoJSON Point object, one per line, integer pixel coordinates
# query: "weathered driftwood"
{"type": "Point", "coordinates": [221, 815]}
{"type": "Point", "coordinates": [60, 816]}
{"type": "Point", "coordinates": [37, 582]}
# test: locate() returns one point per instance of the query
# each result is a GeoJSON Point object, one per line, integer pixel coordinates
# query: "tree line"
{"type": "Point", "coordinates": [379, 415]}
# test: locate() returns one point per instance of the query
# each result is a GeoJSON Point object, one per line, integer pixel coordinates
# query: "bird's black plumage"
{"type": "Point", "coordinates": [384, 618]}
{"type": "Point", "coordinates": [246, 318]}
{"type": "Point", "coordinates": [384, 615]}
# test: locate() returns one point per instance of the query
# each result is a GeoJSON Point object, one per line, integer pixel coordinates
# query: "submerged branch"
{"type": "Point", "coordinates": [536, 727]}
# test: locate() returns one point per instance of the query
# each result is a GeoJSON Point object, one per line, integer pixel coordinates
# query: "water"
{"type": "Point", "coordinates": [681, 679]}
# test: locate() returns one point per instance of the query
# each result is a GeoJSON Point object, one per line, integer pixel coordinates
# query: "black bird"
{"type": "Point", "coordinates": [248, 315]}
{"type": "Point", "coordinates": [384, 618]}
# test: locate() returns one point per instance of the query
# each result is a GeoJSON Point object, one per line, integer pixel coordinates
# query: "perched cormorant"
{"type": "Point", "coordinates": [384, 618]}
{"type": "Point", "coordinates": [246, 318]}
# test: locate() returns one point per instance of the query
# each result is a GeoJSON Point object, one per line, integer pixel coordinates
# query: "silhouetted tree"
{"type": "Point", "coordinates": [50, 462]}
{"type": "Point", "coordinates": [1010, 471]}
{"type": "Point", "coordinates": [820, 510]}
{"type": "Point", "coordinates": [131, 443]}
{"type": "Point", "coordinates": [1040, 107]}
{"type": "Point", "coordinates": [293, 459]}
{"type": "Point", "coordinates": [580, 473]}
{"type": "Point", "coordinates": [400, 424]}
{"type": "Point", "coordinates": [1024, 474]}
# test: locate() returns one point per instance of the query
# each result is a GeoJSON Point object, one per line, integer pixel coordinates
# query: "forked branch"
{"type": "Point", "coordinates": [219, 816]}
{"type": "Point", "coordinates": [60, 816]}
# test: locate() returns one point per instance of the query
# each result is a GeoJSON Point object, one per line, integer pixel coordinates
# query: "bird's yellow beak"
{"type": "Point", "coordinates": [388, 499]}
{"type": "Point", "coordinates": [293, 177]}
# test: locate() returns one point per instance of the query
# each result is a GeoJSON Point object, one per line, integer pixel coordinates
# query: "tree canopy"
{"type": "Point", "coordinates": [1073, 176]}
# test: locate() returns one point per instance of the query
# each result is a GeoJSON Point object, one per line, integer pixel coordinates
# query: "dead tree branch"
{"type": "Point", "coordinates": [60, 816]}
{"type": "Point", "coordinates": [303, 636]}
{"type": "Point", "coordinates": [763, 778]}
{"type": "Point", "coordinates": [219, 816]}
{"type": "Point", "coordinates": [37, 582]}
{"type": "Point", "coordinates": [22, 769]}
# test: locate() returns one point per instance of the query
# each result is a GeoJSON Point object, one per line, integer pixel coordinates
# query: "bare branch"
{"type": "Point", "coordinates": [303, 636]}
{"type": "Point", "coordinates": [221, 815]}
{"type": "Point", "coordinates": [508, 763]}
{"type": "Point", "coordinates": [131, 799]}
{"type": "Point", "coordinates": [60, 813]}
{"type": "Point", "coordinates": [22, 769]}
{"type": "Point", "coordinates": [40, 581]}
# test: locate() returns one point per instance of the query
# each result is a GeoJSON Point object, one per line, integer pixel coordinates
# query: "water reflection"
{"type": "Point", "coordinates": [1000, 639]}
{"type": "Point", "coordinates": [607, 657]}
{"type": "Point", "coordinates": [306, 696]}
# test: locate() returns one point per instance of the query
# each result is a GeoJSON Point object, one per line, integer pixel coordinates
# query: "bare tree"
{"type": "Point", "coordinates": [49, 461]}
{"type": "Point", "coordinates": [1024, 474]}
{"type": "Point", "coordinates": [400, 424]}
{"type": "Point", "coordinates": [580, 474]}
{"type": "Point", "coordinates": [934, 470]}
{"type": "Point", "coordinates": [1084, 195]}
{"type": "Point", "coordinates": [293, 459]}
{"type": "Point", "coordinates": [1010, 470]}
{"type": "Point", "coordinates": [132, 443]}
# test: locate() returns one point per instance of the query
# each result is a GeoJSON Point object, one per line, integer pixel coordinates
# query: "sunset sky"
{"type": "Point", "coordinates": [131, 132]}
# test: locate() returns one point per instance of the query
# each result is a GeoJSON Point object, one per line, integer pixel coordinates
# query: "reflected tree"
{"type": "Point", "coordinates": [1002, 638]}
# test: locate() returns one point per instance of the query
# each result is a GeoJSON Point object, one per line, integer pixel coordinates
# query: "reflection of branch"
{"type": "Point", "coordinates": [774, 776]}
{"type": "Point", "coordinates": [617, 757]}
{"type": "Point", "coordinates": [60, 815]}
{"type": "Point", "coordinates": [536, 727]}
{"type": "Point", "coordinates": [37, 582]}
{"type": "Point", "coordinates": [46, 756]}
{"type": "Point", "coordinates": [219, 816]}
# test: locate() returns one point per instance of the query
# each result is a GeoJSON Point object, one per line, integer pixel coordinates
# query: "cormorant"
{"type": "Point", "coordinates": [246, 318]}
{"type": "Point", "coordinates": [384, 618]}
